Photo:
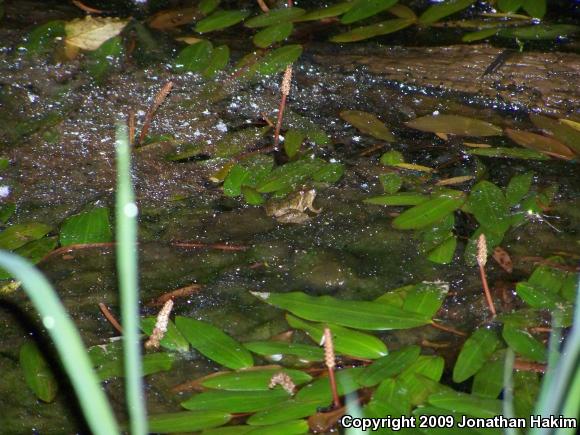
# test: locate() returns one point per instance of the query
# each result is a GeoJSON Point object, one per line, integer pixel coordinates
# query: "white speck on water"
{"type": "Point", "coordinates": [435, 112]}
{"type": "Point", "coordinates": [196, 133]}
{"type": "Point", "coordinates": [206, 112]}
{"type": "Point", "coordinates": [48, 322]}
{"type": "Point", "coordinates": [130, 210]}
{"type": "Point", "coordinates": [4, 191]}
{"type": "Point", "coordinates": [356, 138]}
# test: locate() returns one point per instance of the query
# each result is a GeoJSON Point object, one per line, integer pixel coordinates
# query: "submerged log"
{"type": "Point", "coordinates": [540, 82]}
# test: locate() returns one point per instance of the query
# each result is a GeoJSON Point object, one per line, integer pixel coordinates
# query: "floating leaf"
{"type": "Point", "coordinates": [466, 404]}
{"type": "Point", "coordinates": [220, 20]}
{"type": "Point", "coordinates": [540, 31]}
{"type": "Point", "coordinates": [43, 36]}
{"type": "Point", "coordinates": [37, 373]}
{"type": "Point", "coordinates": [277, 60]}
{"type": "Point", "coordinates": [391, 183]}
{"type": "Point", "coordinates": [329, 173]}
{"type": "Point", "coordinates": [346, 341]}
{"type": "Point", "coordinates": [152, 363]}
{"type": "Point", "coordinates": [475, 353]}
{"type": "Point", "coordinates": [88, 227]}
{"type": "Point", "coordinates": [402, 198]}
{"type": "Point", "coordinates": [441, 10]}
{"type": "Point", "coordinates": [271, 34]}
{"type": "Point", "coordinates": [426, 298]}
{"type": "Point", "coordinates": [18, 235]}
{"type": "Point", "coordinates": [508, 153]}
{"type": "Point", "coordinates": [489, 206]}
{"type": "Point", "coordinates": [455, 180]}
{"type": "Point", "coordinates": [392, 158]}
{"type": "Point", "coordinates": [234, 180]}
{"type": "Point", "coordinates": [172, 18]}
{"type": "Point", "coordinates": [194, 58]}
{"type": "Point", "coordinates": [292, 141]}
{"type": "Point", "coordinates": [538, 297]}
{"type": "Point", "coordinates": [220, 57]}
{"type": "Point", "coordinates": [34, 251]}
{"type": "Point", "coordinates": [523, 343]}
{"type": "Point", "coordinates": [362, 9]}
{"type": "Point", "coordinates": [454, 124]}
{"type": "Point", "coordinates": [388, 366]}
{"type": "Point", "coordinates": [275, 16]}
{"type": "Point", "coordinates": [208, 6]}
{"type": "Point", "coordinates": [285, 411]}
{"type": "Point", "coordinates": [367, 123]}
{"type": "Point", "coordinates": [289, 175]}
{"type": "Point", "coordinates": [235, 401]}
{"type": "Point", "coordinates": [429, 212]}
{"type": "Point", "coordinates": [509, 5]}
{"type": "Point", "coordinates": [354, 314]}
{"type": "Point", "coordinates": [428, 366]}
{"type": "Point", "coordinates": [287, 428]}
{"type": "Point", "coordinates": [378, 29]}
{"type": "Point", "coordinates": [561, 130]}
{"type": "Point", "coordinates": [518, 187]}
{"type": "Point", "coordinates": [319, 390]}
{"type": "Point", "coordinates": [90, 33]}
{"type": "Point", "coordinates": [327, 12]}
{"type": "Point", "coordinates": [537, 142]}
{"type": "Point", "coordinates": [402, 11]}
{"type": "Point", "coordinates": [253, 380]}
{"type": "Point", "coordinates": [192, 421]}
{"type": "Point", "coordinates": [213, 343]}
{"type": "Point", "coordinates": [172, 340]}
{"type": "Point", "coordinates": [251, 196]}
{"type": "Point", "coordinates": [274, 348]}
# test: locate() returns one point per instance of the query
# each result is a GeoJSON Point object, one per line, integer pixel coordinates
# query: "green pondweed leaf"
{"type": "Point", "coordinates": [444, 252]}
{"type": "Point", "coordinates": [474, 354]}
{"type": "Point", "coordinates": [208, 6]}
{"type": "Point", "coordinates": [92, 226]}
{"type": "Point", "coordinates": [426, 298]}
{"type": "Point", "coordinates": [284, 411]}
{"type": "Point", "coordinates": [378, 29]}
{"type": "Point", "coordinates": [101, 60]}
{"type": "Point", "coordinates": [441, 10]}
{"type": "Point", "coordinates": [488, 381]}
{"type": "Point", "coordinates": [401, 11]}
{"type": "Point", "coordinates": [329, 173]}
{"type": "Point", "coordinates": [234, 180]}
{"type": "Point", "coordinates": [194, 58]}
{"type": "Point", "coordinates": [172, 340]}
{"type": "Point", "coordinates": [391, 183]}
{"type": "Point", "coordinates": [275, 16]}
{"type": "Point", "coordinates": [523, 343]}
{"type": "Point", "coordinates": [152, 363]}
{"type": "Point", "coordinates": [327, 12]}
{"type": "Point", "coordinates": [508, 153]}
{"type": "Point", "coordinates": [33, 251]}
{"type": "Point", "coordinates": [388, 366]}
{"type": "Point", "coordinates": [549, 278]}
{"type": "Point", "coordinates": [346, 341]}
{"type": "Point", "coordinates": [214, 344]}
{"type": "Point", "coordinates": [18, 235]}
{"type": "Point", "coordinates": [277, 60]}
{"type": "Point", "coordinates": [292, 141]}
{"type": "Point", "coordinates": [466, 404]}
{"type": "Point", "coordinates": [6, 212]}
{"type": "Point", "coordinates": [429, 366]}
{"type": "Point", "coordinates": [289, 175]}
{"type": "Point", "coordinates": [479, 35]}
{"type": "Point", "coordinates": [275, 350]}
{"type": "Point", "coordinates": [526, 392]}
{"type": "Point", "coordinates": [538, 297]}
{"type": "Point", "coordinates": [271, 34]}
{"type": "Point", "coordinates": [509, 5]}
{"type": "Point", "coordinates": [43, 36]}
{"type": "Point", "coordinates": [294, 427]}
{"type": "Point", "coordinates": [187, 421]}
{"type": "Point", "coordinates": [235, 142]}
{"type": "Point", "coordinates": [220, 57]}
{"type": "Point", "coordinates": [536, 8]}
{"type": "Point", "coordinates": [368, 123]}
{"type": "Point", "coordinates": [392, 158]}
{"type": "Point", "coordinates": [490, 207]}
{"type": "Point", "coordinates": [402, 198]}
{"type": "Point", "coordinates": [319, 391]}
{"type": "Point", "coordinates": [253, 379]}
{"type": "Point", "coordinates": [236, 401]}
{"type": "Point", "coordinates": [220, 20]}
{"type": "Point", "coordinates": [430, 212]}
{"type": "Point", "coordinates": [418, 388]}
{"type": "Point", "coordinates": [37, 374]}
{"type": "Point", "coordinates": [390, 398]}
{"type": "Point", "coordinates": [251, 196]}
{"type": "Point", "coordinates": [518, 187]}
{"type": "Point", "coordinates": [454, 124]}
{"type": "Point", "coordinates": [362, 9]}
{"type": "Point", "coordinates": [354, 314]}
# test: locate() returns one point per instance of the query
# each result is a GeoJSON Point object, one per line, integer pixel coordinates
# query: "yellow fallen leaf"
{"type": "Point", "coordinates": [90, 33]}
{"type": "Point", "coordinates": [454, 180]}
{"type": "Point", "coordinates": [476, 145]}
{"type": "Point", "coordinates": [190, 40]}
{"type": "Point", "coordinates": [575, 125]}
{"type": "Point", "coordinates": [413, 167]}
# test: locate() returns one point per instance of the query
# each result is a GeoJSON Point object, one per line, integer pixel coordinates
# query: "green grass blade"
{"type": "Point", "coordinates": [508, 389]}
{"type": "Point", "coordinates": [68, 342]}
{"type": "Point", "coordinates": [126, 215]}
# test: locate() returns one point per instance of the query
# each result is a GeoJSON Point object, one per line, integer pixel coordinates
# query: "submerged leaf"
{"type": "Point", "coordinates": [454, 124]}
{"type": "Point", "coordinates": [253, 380]}
{"type": "Point", "coordinates": [37, 374]}
{"type": "Point", "coordinates": [378, 29]}
{"type": "Point", "coordinates": [523, 343]}
{"type": "Point", "coordinates": [90, 33]}
{"type": "Point", "coordinates": [275, 348]}
{"type": "Point", "coordinates": [195, 57]}
{"type": "Point", "coordinates": [327, 12]}
{"type": "Point", "coordinates": [362, 9]}
{"type": "Point", "coordinates": [368, 123]}
{"type": "Point", "coordinates": [220, 20]}
{"type": "Point", "coordinates": [490, 207]}
{"type": "Point", "coordinates": [236, 401]}
{"type": "Point", "coordinates": [537, 142]}
{"type": "Point", "coordinates": [275, 16]}
{"type": "Point", "coordinates": [277, 60]}
{"type": "Point", "coordinates": [561, 130]}
{"type": "Point", "coordinates": [214, 343]}
{"type": "Point", "coordinates": [441, 10]}
{"type": "Point", "coordinates": [475, 353]}
{"type": "Point", "coordinates": [275, 33]}
{"type": "Point", "coordinates": [508, 153]}
{"type": "Point", "coordinates": [429, 212]}
{"type": "Point", "coordinates": [18, 235]}
{"type": "Point", "coordinates": [354, 314]}
{"type": "Point", "coordinates": [540, 31]}
{"type": "Point", "coordinates": [187, 421]}
{"type": "Point", "coordinates": [89, 227]}
{"type": "Point", "coordinates": [388, 366]}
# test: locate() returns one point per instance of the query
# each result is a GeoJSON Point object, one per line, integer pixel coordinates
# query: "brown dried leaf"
{"type": "Point", "coordinates": [454, 124]}
{"type": "Point", "coordinates": [90, 33]}
{"type": "Point", "coordinates": [502, 258]}
{"type": "Point", "coordinates": [543, 144]}
{"type": "Point", "coordinates": [170, 19]}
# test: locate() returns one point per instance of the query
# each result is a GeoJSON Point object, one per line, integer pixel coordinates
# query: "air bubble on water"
{"type": "Point", "coordinates": [130, 210]}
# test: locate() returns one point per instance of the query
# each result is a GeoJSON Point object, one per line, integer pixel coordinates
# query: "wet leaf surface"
{"type": "Point", "coordinates": [37, 373]}
{"type": "Point", "coordinates": [88, 227]}
{"type": "Point", "coordinates": [220, 20]}
{"type": "Point", "coordinates": [455, 124]}
{"type": "Point", "coordinates": [438, 11]}
{"type": "Point", "coordinates": [275, 16]}
{"type": "Point", "coordinates": [187, 421]}
{"type": "Point", "coordinates": [253, 380]}
{"type": "Point", "coordinates": [537, 142]}
{"type": "Point", "coordinates": [366, 32]}
{"type": "Point", "coordinates": [362, 9]}
{"type": "Point", "coordinates": [235, 401]}
{"type": "Point", "coordinates": [429, 212]}
{"type": "Point", "coordinates": [474, 354]}
{"type": "Point", "coordinates": [271, 34]}
{"type": "Point", "coordinates": [368, 123]}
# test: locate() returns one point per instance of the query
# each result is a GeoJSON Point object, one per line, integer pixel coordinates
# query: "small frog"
{"type": "Point", "coordinates": [291, 210]}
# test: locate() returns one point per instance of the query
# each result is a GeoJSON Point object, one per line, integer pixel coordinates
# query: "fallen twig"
{"type": "Point", "coordinates": [158, 101]}
{"type": "Point", "coordinates": [177, 293]}
{"type": "Point", "coordinates": [110, 318]}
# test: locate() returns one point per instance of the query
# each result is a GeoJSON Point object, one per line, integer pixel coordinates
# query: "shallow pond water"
{"type": "Point", "coordinates": [350, 250]}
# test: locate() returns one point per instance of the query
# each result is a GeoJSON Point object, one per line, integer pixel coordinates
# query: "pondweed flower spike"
{"type": "Point", "coordinates": [481, 261]}
{"type": "Point", "coordinates": [160, 326]}
{"type": "Point", "coordinates": [330, 361]}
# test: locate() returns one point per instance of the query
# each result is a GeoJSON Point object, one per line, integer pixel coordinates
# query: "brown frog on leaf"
{"type": "Point", "coordinates": [292, 209]}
